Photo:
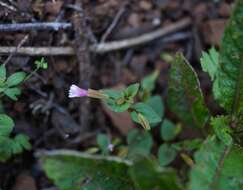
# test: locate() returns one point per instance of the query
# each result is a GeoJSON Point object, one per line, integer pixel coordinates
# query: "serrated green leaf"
{"type": "Point", "coordinates": [6, 125]}
{"type": "Point", "coordinates": [103, 142]}
{"type": "Point", "coordinates": [147, 175]}
{"type": "Point", "coordinates": [169, 130]}
{"type": "Point", "coordinates": [166, 154]}
{"type": "Point", "coordinates": [84, 171]}
{"type": "Point", "coordinates": [12, 93]}
{"type": "Point", "coordinates": [139, 143]}
{"type": "Point", "coordinates": [217, 167]}
{"type": "Point", "coordinates": [221, 129]}
{"type": "Point", "coordinates": [184, 95]}
{"type": "Point", "coordinates": [228, 83]}
{"type": "Point", "coordinates": [210, 62]}
{"type": "Point", "coordinates": [15, 79]}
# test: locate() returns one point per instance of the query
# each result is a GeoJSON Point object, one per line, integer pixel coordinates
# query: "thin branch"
{"type": "Point", "coordinates": [11, 8]}
{"type": "Point", "coordinates": [34, 26]}
{"type": "Point", "coordinates": [114, 23]}
{"type": "Point", "coordinates": [142, 39]}
{"type": "Point", "coordinates": [19, 45]}
{"type": "Point", "coordinates": [38, 51]}
{"type": "Point", "coordinates": [101, 47]}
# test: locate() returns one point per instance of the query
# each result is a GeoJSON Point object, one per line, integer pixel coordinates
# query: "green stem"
{"type": "Point", "coordinates": [219, 167]}
{"type": "Point", "coordinates": [31, 74]}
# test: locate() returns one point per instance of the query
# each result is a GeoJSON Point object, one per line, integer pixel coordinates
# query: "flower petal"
{"type": "Point", "coordinates": [75, 91]}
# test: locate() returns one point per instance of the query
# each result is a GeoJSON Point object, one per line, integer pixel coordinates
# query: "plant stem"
{"type": "Point", "coordinates": [31, 74]}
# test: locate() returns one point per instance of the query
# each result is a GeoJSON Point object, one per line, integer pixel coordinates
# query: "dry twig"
{"type": "Point", "coordinates": [34, 26]}
{"type": "Point", "coordinates": [101, 47]}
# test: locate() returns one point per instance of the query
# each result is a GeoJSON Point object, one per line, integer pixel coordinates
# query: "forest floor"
{"type": "Point", "coordinates": [89, 53]}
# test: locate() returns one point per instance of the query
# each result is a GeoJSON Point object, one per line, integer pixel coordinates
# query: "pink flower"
{"type": "Point", "coordinates": [75, 91]}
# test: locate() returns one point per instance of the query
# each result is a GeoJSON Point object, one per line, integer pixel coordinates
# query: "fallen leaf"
{"type": "Point", "coordinates": [24, 182]}
{"type": "Point", "coordinates": [213, 31]}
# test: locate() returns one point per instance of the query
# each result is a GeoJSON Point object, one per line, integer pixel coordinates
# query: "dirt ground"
{"type": "Point", "coordinates": [46, 114]}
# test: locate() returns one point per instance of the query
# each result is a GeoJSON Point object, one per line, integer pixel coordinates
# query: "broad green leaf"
{"type": "Point", "coordinates": [15, 79]}
{"type": "Point", "coordinates": [146, 111]}
{"type": "Point", "coordinates": [103, 142]}
{"type": "Point", "coordinates": [157, 104]}
{"type": "Point", "coordinates": [221, 129]}
{"type": "Point", "coordinates": [217, 167]}
{"type": "Point", "coordinates": [12, 93]}
{"type": "Point", "coordinates": [139, 143]}
{"type": "Point", "coordinates": [147, 175]}
{"type": "Point", "coordinates": [166, 154]}
{"type": "Point", "coordinates": [184, 95]}
{"type": "Point", "coordinates": [210, 62]}
{"type": "Point", "coordinates": [2, 73]}
{"type": "Point", "coordinates": [169, 130]}
{"type": "Point", "coordinates": [72, 170]}
{"type": "Point", "coordinates": [228, 83]}
{"type": "Point", "coordinates": [6, 125]}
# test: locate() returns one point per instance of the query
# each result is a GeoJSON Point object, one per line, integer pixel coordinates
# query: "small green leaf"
{"type": "Point", "coordinates": [166, 154]}
{"type": "Point", "coordinates": [168, 130]}
{"type": "Point", "coordinates": [2, 73]}
{"type": "Point", "coordinates": [103, 142]}
{"type": "Point", "coordinates": [139, 143]}
{"type": "Point", "coordinates": [15, 79]}
{"type": "Point", "coordinates": [148, 83]}
{"type": "Point", "coordinates": [116, 106]}
{"type": "Point", "coordinates": [142, 121]}
{"type": "Point", "coordinates": [23, 141]}
{"type": "Point", "coordinates": [12, 93]}
{"type": "Point", "coordinates": [210, 62]}
{"type": "Point", "coordinates": [146, 111]}
{"type": "Point", "coordinates": [117, 101]}
{"type": "Point", "coordinates": [131, 91]}
{"type": "Point", "coordinates": [6, 125]}
{"type": "Point", "coordinates": [114, 94]}
{"type": "Point", "coordinates": [222, 130]}
{"type": "Point", "coordinates": [41, 64]}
